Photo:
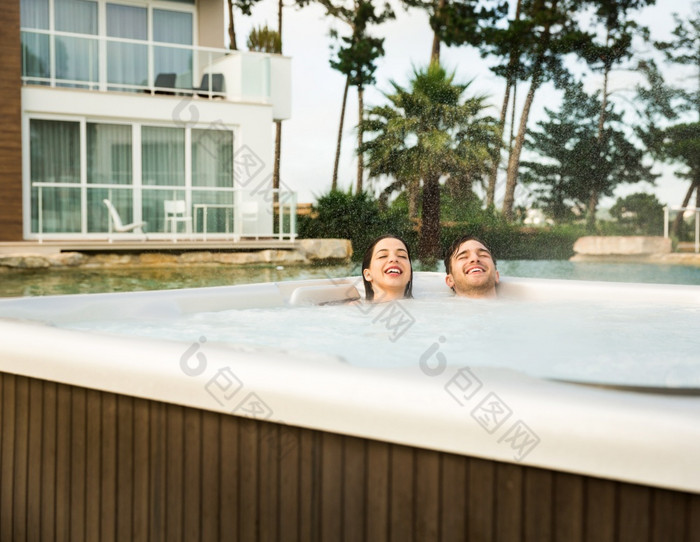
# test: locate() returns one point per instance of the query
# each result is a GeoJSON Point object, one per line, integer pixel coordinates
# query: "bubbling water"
{"type": "Point", "coordinates": [624, 344]}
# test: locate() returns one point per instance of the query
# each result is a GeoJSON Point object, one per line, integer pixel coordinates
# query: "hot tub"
{"type": "Point", "coordinates": [107, 436]}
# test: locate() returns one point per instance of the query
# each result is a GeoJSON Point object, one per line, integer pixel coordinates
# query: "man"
{"type": "Point", "coordinates": [471, 270]}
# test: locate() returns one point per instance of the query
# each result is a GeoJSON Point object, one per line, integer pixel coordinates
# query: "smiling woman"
{"type": "Point", "coordinates": [386, 270]}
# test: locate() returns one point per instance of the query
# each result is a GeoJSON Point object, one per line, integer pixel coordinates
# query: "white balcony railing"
{"type": "Point", "coordinates": [66, 59]}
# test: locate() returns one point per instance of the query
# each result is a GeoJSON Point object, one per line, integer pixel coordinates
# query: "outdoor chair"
{"type": "Point", "coordinates": [165, 81]}
{"type": "Point", "coordinates": [249, 214]}
{"type": "Point", "coordinates": [175, 212]}
{"type": "Point", "coordinates": [218, 86]}
{"type": "Point", "coordinates": [116, 224]}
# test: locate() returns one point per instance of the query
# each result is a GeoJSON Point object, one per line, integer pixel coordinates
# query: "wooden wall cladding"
{"type": "Point", "coordinates": [10, 120]}
{"type": "Point", "coordinates": [84, 465]}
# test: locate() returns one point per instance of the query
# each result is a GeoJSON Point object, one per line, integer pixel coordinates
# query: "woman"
{"type": "Point", "coordinates": [386, 270]}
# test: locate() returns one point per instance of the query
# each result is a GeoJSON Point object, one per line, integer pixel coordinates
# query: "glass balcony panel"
{"type": "Point", "coordinates": [60, 209]}
{"type": "Point", "coordinates": [219, 219]}
{"type": "Point", "coordinates": [177, 61]}
{"type": "Point", "coordinates": [153, 206]}
{"type": "Point", "coordinates": [255, 79]}
{"type": "Point", "coordinates": [76, 59]}
{"type": "Point", "coordinates": [97, 214]}
{"type": "Point", "coordinates": [35, 55]}
{"type": "Point", "coordinates": [127, 64]}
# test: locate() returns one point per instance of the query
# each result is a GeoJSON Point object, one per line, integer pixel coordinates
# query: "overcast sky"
{"type": "Point", "coordinates": [309, 137]}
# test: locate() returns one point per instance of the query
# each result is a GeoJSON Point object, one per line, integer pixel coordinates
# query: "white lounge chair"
{"type": "Point", "coordinates": [115, 222]}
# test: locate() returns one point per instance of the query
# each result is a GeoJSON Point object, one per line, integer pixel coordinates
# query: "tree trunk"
{"type": "Point", "coordinates": [278, 150]}
{"type": "Point", "coordinates": [280, 5]}
{"type": "Point", "coordinates": [278, 123]}
{"type": "Point", "coordinates": [514, 160]}
{"type": "Point", "coordinates": [334, 182]}
{"type": "Point", "coordinates": [413, 188]}
{"type": "Point", "coordinates": [491, 189]}
{"type": "Point", "coordinates": [231, 27]}
{"type": "Point", "coordinates": [435, 51]}
{"type": "Point", "coordinates": [593, 198]}
{"type": "Point", "coordinates": [360, 156]}
{"type": "Point", "coordinates": [510, 83]}
{"type": "Point", "coordinates": [429, 244]}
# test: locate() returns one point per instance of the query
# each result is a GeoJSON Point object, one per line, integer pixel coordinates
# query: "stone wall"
{"type": "Point", "coordinates": [632, 245]}
{"type": "Point", "coordinates": [305, 252]}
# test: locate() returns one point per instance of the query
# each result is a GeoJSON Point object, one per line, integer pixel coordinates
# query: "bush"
{"type": "Point", "coordinates": [641, 212]}
{"type": "Point", "coordinates": [356, 217]}
{"type": "Point", "coordinates": [359, 218]}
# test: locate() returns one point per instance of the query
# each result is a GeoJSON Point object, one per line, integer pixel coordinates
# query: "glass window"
{"type": "Point", "coordinates": [109, 161]}
{"type": "Point", "coordinates": [35, 55]}
{"type": "Point", "coordinates": [34, 14]}
{"type": "Point", "coordinates": [172, 27]}
{"type": "Point", "coordinates": [35, 47]}
{"type": "Point", "coordinates": [127, 22]}
{"type": "Point", "coordinates": [109, 152]}
{"type": "Point", "coordinates": [163, 156]}
{"type": "Point", "coordinates": [54, 151]}
{"type": "Point", "coordinates": [79, 16]}
{"type": "Point", "coordinates": [212, 158]}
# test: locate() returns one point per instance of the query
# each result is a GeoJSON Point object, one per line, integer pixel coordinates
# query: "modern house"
{"type": "Point", "coordinates": [125, 113]}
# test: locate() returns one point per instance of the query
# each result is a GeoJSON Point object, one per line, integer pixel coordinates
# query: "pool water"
{"type": "Point", "coordinates": [19, 283]}
{"type": "Point", "coordinates": [628, 344]}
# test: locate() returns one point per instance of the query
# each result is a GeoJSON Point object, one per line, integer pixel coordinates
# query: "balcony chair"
{"type": "Point", "coordinates": [175, 212]}
{"type": "Point", "coordinates": [115, 222]}
{"type": "Point", "coordinates": [218, 86]}
{"type": "Point", "coordinates": [165, 81]}
{"type": "Point", "coordinates": [249, 214]}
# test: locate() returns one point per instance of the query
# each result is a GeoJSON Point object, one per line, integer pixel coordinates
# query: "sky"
{"type": "Point", "coordinates": [309, 137]}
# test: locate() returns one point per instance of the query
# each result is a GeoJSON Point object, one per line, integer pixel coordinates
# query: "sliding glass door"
{"type": "Point", "coordinates": [136, 167]}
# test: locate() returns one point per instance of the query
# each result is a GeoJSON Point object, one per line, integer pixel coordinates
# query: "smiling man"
{"type": "Point", "coordinates": [471, 269]}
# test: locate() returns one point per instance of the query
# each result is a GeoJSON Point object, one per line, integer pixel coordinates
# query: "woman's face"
{"type": "Point", "coordinates": [389, 270]}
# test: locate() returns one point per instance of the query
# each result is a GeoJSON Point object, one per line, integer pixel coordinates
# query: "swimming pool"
{"type": "Point", "coordinates": [17, 283]}
{"type": "Point", "coordinates": [222, 436]}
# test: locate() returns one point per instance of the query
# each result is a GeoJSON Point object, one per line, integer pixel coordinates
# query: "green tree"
{"type": "Point", "coordinates": [458, 22]}
{"type": "Point", "coordinates": [618, 31]}
{"type": "Point", "coordinates": [533, 47]}
{"type": "Point", "coordinates": [429, 132]}
{"type": "Point", "coordinates": [644, 212]}
{"type": "Point", "coordinates": [264, 39]}
{"type": "Point", "coordinates": [356, 59]}
{"type": "Point", "coordinates": [576, 161]}
{"type": "Point", "coordinates": [672, 132]}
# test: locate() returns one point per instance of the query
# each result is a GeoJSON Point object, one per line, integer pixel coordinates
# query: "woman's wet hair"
{"type": "Point", "coordinates": [454, 247]}
{"type": "Point", "coordinates": [367, 259]}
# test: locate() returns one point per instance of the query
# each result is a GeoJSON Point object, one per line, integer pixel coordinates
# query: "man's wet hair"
{"type": "Point", "coordinates": [454, 247]}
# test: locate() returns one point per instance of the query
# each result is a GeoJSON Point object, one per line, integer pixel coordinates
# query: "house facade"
{"type": "Point", "coordinates": [132, 104]}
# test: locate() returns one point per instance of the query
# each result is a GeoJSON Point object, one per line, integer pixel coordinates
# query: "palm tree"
{"type": "Point", "coordinates": [431, 132]}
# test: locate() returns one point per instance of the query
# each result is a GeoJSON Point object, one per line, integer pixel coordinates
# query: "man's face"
{"type": "Point", "coordinates": [473, 273]}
